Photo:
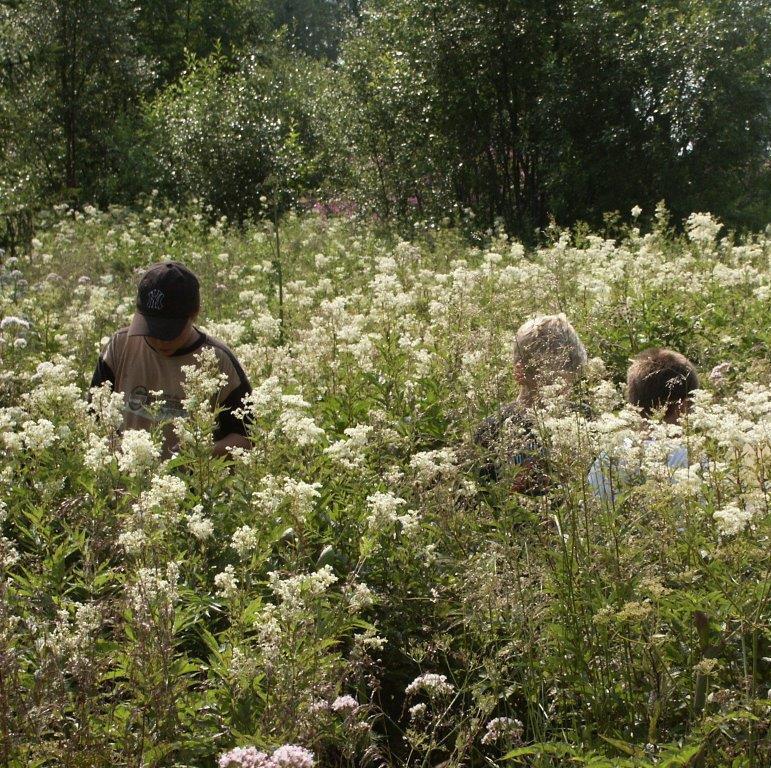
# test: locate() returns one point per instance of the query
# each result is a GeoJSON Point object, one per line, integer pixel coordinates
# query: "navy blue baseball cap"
{"type": "Point", "coordinates": [167, 297]}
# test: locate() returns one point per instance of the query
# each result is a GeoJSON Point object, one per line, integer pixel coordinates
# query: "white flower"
{"type": "Point", "coordinates": [429, 465]}
{"type": "Point", "coordinates": [718, 373]}
{"type": "Point", "coordinates": [166, 494]}
{"type": "Point", "coordinates": [359, 597]}
{"type": "Point", "coordinates": [201, 527]}
{"type": "Point", "coordinates": [383, 509]}
{"type": "Point", "coordinates": [431, 684]}
{"type": "Point", "coordinates": [345, 704]}
{"type": "Point", "coordinates": [636, 211]}
{"type": "Point", "coordinates": [702, 228]}
{"type": "Point", "coordinates": [138, 452]}
{"type": "Point", "coordinates": [13, 322]}
{"type": "Point", "coordinates": [732, 519]}
{"type": "Point", "coordinates": [38, 435]}
{"type": "Point", "coordinates": [349, 452]}
{"type": "Point", "coordinates": [226, 583]}
{"type": "Point", "coordinates": [132, 540]}
{"type": "Point", "coordinates": [297, 588]}
{"type": "Point", "coordinates": [292, 756]}
{"type": "Point", "coordinates": [502, 728]}
{"type": "Point", "coordinates": [244, 541]}
{"type": "Point", "coordinates": [299, 428]}
{"type": "Point", "coordinates": [98, 454]}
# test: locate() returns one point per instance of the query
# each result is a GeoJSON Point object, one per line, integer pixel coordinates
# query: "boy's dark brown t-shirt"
{"type": "Point", "coordinates": [134, 368]}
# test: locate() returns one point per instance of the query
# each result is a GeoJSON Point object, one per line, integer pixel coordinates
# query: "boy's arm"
{"type": "Point", "coordinates": [231, 431]}
{"type": "Point", "coordinates": [102, 373]}
{"type": "Point", "coordinates": [233, 440]}
{"type": "Point", "coordinates": [104, 370]}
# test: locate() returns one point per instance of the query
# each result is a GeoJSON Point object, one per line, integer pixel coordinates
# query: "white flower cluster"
{"type": "Point", "coordinates": [349, 452]}
{"type": "Point", "coordinates": [429, 465]}
{"type": "Point", "coordinates": [226, 583]}
{"type": "Point", "coordinates": [384, 513]}
{"type": "Point", "coordinates": [201, 527]}
{"type": "Point", "coordinates": [702, 228]}
{"type": "Point", "coordinates": [138, 452]}
{"type": "Point", "coordinates": [502, 728]}
{"type": "Point", "coordinates": [431, 684]}
{"type": "Point", "coordinates": [732, 519]}
{"type": "Point", "coordinates": [164, 497]}
{"type": "Point", "coordinates": [203, 380]}
{"type": "Point", "coordinates": [297, 494]}
{"type": "Point", "coordinates": [287, 756]}
{"type": "Point", "coordinates": [244, 541]}
{"type": "Point", "coordinates": [154, 592]}
{"type": "Point", "coordinates": [72, 636]}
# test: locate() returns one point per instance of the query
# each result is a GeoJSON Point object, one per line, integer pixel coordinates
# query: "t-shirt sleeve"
{"type": "Point", "coordinates": [104, 370]}
{"type": "Point", "coordinates": [239, 387]}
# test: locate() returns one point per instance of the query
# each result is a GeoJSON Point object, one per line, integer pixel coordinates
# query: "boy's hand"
{"type": "Point", "coordinates": [233, 440]}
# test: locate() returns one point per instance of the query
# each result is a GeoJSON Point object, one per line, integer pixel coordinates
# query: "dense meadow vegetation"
{"type": "Point", "coordinates": [351, 592]}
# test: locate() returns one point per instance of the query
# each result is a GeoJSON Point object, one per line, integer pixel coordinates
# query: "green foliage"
{"type": "Point", "coordinates": [165, 611]}
{"type": "Point", "coordinates": [240, 139]}
{"type": "Point", "coordinates": [525, 110]}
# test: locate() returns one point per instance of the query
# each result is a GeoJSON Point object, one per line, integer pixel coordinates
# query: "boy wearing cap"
{"type": "Point", "coordinates": [148, 356]}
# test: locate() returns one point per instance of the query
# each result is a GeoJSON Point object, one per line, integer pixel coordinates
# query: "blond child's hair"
{"type": "Point", "coordinates": [660, 378]}
{"type": "Point", "coordinates": [548, 344]}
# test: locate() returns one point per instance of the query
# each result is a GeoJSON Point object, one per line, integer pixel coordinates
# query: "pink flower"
{"type": "Point", "coordinates": [288, 756]}
{"type": "Point", "coordinates": [244, 757]}
{"type": "Point", "coordinates": [345, 704]}
{"type": "Point", "coordinates": [292, 756]}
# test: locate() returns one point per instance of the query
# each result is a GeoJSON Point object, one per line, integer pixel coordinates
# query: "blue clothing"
{"type": "Point", "coordinates": [607, 474]}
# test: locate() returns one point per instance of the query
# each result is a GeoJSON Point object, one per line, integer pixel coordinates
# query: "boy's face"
{"type": "Point", "coordinates": [168, 348]}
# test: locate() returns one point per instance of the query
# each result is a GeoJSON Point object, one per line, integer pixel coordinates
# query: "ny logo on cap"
{"type": "Point", "coordinates": [155, 299]}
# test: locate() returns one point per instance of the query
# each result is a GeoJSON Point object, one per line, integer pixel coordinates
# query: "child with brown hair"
{"type": "Point", "coordinates": [658, 381]}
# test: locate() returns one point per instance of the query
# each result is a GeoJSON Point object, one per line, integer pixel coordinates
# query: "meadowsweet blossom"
{"type": "Point", "coordinates": [244, 541]}
{"type": "Point", "coordinates": [138, 452]}
{"type": "Point", "coordinates": [349, 452]}
{"type": "Point", "coordinates": [201, 527]}
{"type": "Point", "coordinates": [11, 322]}
{"type": "Point", "coordinates": [718, 373]}
{"type": "Point", "coordinates": [292, 756]}
{"type": "Point", "coordinates": [429, 465]}
{"type": "Point", "coordinates": [154, 589]}
{"type": "Point", "coordinates": [226, 583]}
{"type": "Point", "coordinates": [165, 496]}
{"type": "Point", "coordinates": [244, 757]}
{"type": "Point", "coordinates": [702, 228]}
{"type": "Point", "coordinates": [384, 513]}
{"type": "Point", "coordinates": [38, 435]}
{"type": "Point", "coordinates": [303, 586]}
{"type": "Point", "coordinates": [98, 454]}
{"type": "Point", "coordinates": [202, 381]}
{"type": "Point", "coordinates": [732, 519]}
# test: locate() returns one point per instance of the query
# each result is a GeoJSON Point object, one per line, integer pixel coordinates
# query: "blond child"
{"type": "Point", "coordinates": [546, 351]}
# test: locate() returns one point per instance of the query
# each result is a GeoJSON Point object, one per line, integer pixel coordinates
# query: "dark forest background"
{"type": "Point", "coordinates": [499, 110]}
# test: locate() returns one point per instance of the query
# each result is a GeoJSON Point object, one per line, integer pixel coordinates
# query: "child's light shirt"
{"type": "Point", "coordinates": [607, 475]}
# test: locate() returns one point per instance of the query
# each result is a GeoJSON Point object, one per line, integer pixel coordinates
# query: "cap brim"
{"type": "Point", "coordinates": [163, 328]}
